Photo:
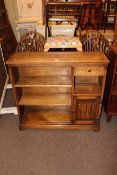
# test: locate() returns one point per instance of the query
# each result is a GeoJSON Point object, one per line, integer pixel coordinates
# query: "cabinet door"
{"type": "Point", "coordinates": [87, 110]}
{"type": "Point", "coordinates": [3, 75]}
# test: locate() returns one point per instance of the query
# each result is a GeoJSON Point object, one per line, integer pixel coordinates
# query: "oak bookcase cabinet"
{"type": "Point", "coordinates": [58, 90]}
{"type": "Point", "coordinates": [110, 96]}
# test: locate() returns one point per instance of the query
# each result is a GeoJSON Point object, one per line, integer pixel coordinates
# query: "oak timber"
{"type": "Point", "coordinates": [58, 90]}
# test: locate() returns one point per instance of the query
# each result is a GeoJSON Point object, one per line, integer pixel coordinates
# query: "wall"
{"type": "Point", "coordinates": [29, 12]}
{"type": "Point", "coordinates": [11, 13]}
{"type": "Point", "coordinates": [18, 9]}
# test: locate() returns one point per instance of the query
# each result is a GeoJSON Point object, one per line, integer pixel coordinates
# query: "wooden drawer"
{"type": "Point", "coordinates": [89, 71]}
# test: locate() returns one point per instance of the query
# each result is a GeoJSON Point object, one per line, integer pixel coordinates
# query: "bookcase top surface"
{"type": "Point", "coordinates": [59, 58]}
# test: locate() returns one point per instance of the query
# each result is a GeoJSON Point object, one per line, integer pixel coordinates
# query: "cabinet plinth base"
{"type": "Point", "coordinates": [95, 127]}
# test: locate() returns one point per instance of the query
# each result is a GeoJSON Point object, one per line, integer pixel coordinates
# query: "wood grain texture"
{"type": "Point", "coordinates": [45, 100]}
{"type": "Point", "coordinates": [47, 81]}
{"type": "Point", "coordinates": [62, 90]}
{"type": "Point", "coordinates": [57, 58]}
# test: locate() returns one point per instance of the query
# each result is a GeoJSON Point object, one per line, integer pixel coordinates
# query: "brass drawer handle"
{"type": "Point", "coordinates": [89, 70]}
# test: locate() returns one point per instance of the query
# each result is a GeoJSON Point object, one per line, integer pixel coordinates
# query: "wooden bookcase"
{"type": "Point", "coordinates": [58, 89]}
{"type": "Point", "coordinates": [110, 96]}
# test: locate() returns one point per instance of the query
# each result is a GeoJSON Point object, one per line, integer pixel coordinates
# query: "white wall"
{"type": "Point", "coordinates": [11, 13]}
{"type": "Point", "coordinates": [26, 12]}
{"type": "Point", "coordinates": [18, 9]}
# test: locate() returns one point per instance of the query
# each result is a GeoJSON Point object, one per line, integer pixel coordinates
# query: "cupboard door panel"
{"type": "Point", "coordinates": [87, 110]}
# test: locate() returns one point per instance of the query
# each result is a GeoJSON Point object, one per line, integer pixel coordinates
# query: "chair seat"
{"type": "Point", "coordinates": [63, 42]}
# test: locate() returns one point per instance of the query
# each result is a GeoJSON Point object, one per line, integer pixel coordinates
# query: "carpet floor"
{"type": "Point", "coordinates": [57, 152]}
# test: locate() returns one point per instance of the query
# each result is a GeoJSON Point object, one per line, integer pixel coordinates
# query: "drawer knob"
{"type": "Point", "coordinates": [89, 70]}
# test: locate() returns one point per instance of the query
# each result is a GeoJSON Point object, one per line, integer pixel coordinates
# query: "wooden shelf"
{"type": "Point", "coordinates": [45, 100]}
{"type": "Point", "coordinates": [88, 89]}
{"type": "Point", "coordinates": [44, 81]}
{"type": "Point", "coordinates": [51, 117]}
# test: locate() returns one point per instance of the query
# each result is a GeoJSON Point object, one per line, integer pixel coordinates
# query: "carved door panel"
{"type": "Point", "coordinates": [87, 110]}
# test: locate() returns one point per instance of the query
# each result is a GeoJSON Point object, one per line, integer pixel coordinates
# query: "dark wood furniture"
{"type": "Point", "coordinates": [9, 42]}
{"type": "Point", "coordinates": [62, 12]}
{"type": "Point", "coordinates": [110, 96]}
{"type": "Point", "coordinates": [3, 75]}
{"type": "Point", "coordinates": [90, 18]}
{"type": "Point", "coordinates": [109, 9]}
{"type": "Point", "coordinates": [115, 31]}
{"type": "Point", "coordinates": [58, 90]}
{"type": "Point", "coordinates": [8, 45]}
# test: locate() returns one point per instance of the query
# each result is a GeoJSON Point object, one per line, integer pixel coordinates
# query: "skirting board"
{"type": "Point", "coordinates": [9, 110]}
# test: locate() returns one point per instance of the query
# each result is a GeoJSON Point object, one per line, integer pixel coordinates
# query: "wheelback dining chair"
{"type": "Point", "coordinates": [94, 41]}
{"type": "Point", "coordinates": [31, 41]}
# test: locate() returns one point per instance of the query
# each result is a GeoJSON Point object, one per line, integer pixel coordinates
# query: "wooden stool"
{"type": "Point", "coordinates": [63, 42]}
